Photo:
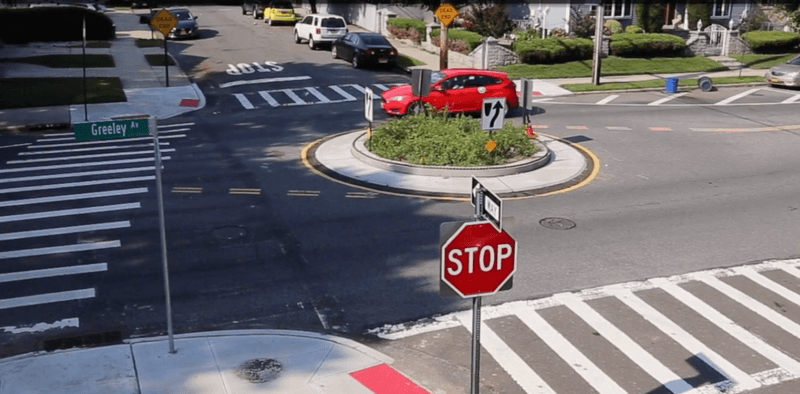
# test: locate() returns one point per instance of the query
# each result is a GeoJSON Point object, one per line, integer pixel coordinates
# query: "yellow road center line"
{"type": "Point", "coordinates": [187, 189]}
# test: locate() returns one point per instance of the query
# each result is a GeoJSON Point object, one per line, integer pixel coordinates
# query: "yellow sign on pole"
{"type": "Point", "coordinates": [446, 13]}
{"type": "Point", "coordinates": [164, 22]}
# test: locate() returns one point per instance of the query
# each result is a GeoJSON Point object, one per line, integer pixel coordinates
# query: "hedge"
{"type": "Point", "coordinates": [553, 50]}
{"type": "Point", "coordinates": [59, 23]}
{"type": "Point", "coordinates": [472, 39]}
{"type": "Point", "coordinates": [407, 23]}
{"type": "Point", "coordinates": [774, 41]}
{"type": "Point", "coordinates": [646, 45]}
{"type": "Point", "coordinates": [634, 29]}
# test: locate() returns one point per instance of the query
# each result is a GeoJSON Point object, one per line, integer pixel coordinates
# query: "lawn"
{"type": "Point", "coordinates": [149, 42]}
{"type": "Point", "coordinates": [404, 61]}
{"type": "Point", "coordinates": [64, 61]}
{"type": "Point", "coordinates": [44, 92]}
{"type": "Point", "coordinates": [763, 61]}
{"type": "Point", "coordinates": [655, 83]}
{"type": "Point", "coordinates": [613, 65]}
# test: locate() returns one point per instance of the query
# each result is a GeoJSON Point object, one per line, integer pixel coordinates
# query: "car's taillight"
{"type": "Point", "coordinates": [319, 31]}
{"type": "Point", "coordinates": [394, 52]}
{"type": "Point", "coordinates": [370, 52]}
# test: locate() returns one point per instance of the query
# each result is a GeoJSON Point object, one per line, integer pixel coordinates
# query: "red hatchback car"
{"type": "Point", "coordinates": [458, 89]}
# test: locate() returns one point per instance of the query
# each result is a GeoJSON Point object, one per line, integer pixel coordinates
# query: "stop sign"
{"type": "Point", "coordinates": [478, 260]}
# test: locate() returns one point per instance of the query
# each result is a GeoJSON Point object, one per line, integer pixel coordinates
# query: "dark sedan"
{"type": "Point", "coordinates": [362, 49]}
{"type": "Point", "coordinates": [187, 24]}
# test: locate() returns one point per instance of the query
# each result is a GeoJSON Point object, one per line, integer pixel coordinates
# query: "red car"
{"type": "Point", "coordinates": [458, 89]}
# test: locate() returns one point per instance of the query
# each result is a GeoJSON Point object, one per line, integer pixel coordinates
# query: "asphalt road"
{"type": "Point", "coordinates": [289, 249]}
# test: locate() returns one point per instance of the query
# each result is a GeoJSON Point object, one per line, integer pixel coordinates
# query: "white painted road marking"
{"type": "Point", "coordinates": [46, 298]}
{"type": "Point", "coordinates": [668, 98]}
{"type": "Point", "coordinates": [607, 99]}
{"type": "Point", "coordinates": [39, 327]}
{"type": "Point", "coordinates": [380, 86]}
{"type": "Point", "coordinates": [78, 184]}
{"type": "Point", "coordinates": [64, 230]}
{"type": "Point", "coordinates": [736, 97]}
{"type": "Point", "coordinates": [75, 174]}
{"type": "Point", "coordinates": [791, 99]}
{"type": "Point", "coordinates": [143, 152]}
{"type": "Point", "coordinates": [96, 142]}
{"type": "Point", "coordinates": [13, 146]}
{"type": "Point", "coordinates": [347, 96]}
{"type": "Point", "coordinates": [271, 100]}
{"type": "Point", "coordinates": [59, 249]}
{"type": "Point", "coordinates": [70, 197]}
{"type": "Point", "coordinates": [51, 272]}
{"type": "Point", "coordinates": [263, 80]}
{"type": "Point", "coordinates": [164, 126]}
{"type": "Point", "coordinates": [91, 164]}
{"type": "Point", "coordinates": [69, 212]}
{"type": "Point", "coordinates": [245, 102]}
{"type": "Point", "coordinates": [316, 93]}
{"type": "Point", "coordinates": [297, 100]}
{"type": "Point", "coordinates": [92, 149]}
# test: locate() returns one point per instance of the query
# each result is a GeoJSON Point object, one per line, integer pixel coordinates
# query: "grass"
{"type": "Point", "coordinates": [41, 92]}
{"type": "Point", "coordinates": [65, 61]}
{"type": "Point", "coordinates": [408, 61]}
{"type": "Point", "coordinates": [613, 65]}
{"type": "Point", "coordinates": [149, 42]}
{"type": "Point", "coordinates": [763, 61]}
{"type": "Point", "coordinates": [655, 83]}
{"type": "Point", "coordinates": [158, 60]}
{"type": "Point", "coordinates": [93, 44]}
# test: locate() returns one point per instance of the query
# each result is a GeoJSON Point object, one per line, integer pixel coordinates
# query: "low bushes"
{"type": "Point", "coordinates": [24, 25]}
{"type": "Point", "coordinates": [772, 41]}
{"type": "Point", "coordinates": [634, 29]}
{"type": "Point", "coordinates": [449, 140]}
{"type": "Point", "coordinates": [553, 50]}
{"type": "Point", "coordinates": [470, 39]}
{"type": "Point", "coordinates": [410, 28]}
{"type": "Point", "coordinates": [646, 45]}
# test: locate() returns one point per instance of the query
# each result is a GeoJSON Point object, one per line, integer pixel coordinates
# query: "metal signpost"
{"type": "Point", "coordinates": [164, 22]}
{"type": "Point", "coordinates": [131, 128]}
{"type": "Point", "coordinates": [368, 111]}
{"type": "Point", "coordinates": [477, 259]}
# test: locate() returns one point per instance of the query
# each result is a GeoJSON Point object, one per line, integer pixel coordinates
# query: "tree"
{"type": "Point", "coordinates": [792, 10]}
{"type": "Point", "coordinates": [651, 15]}
{"type": "Point", "coordinates": [488, 19]}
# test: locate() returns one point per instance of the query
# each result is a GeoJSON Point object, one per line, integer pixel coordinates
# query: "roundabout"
{"type": "Point", "coordinates": [559, 167]}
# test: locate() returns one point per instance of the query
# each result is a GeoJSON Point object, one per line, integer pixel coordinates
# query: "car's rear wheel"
{"type": "Point", "coordinates": [334, 54]}
{"type": "Point", "coordinates": [296, 37]}
{"type": "Point", "coordinates": [311, 43]}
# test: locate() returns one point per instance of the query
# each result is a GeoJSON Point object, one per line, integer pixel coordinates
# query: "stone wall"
{"type": "Point", "coordinates": [496, 54]}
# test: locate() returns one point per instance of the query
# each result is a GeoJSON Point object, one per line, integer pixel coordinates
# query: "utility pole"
{"type": "Point", "coordinates": [598, 43]}
{"type": "Point", "coordinates": [443, 48]}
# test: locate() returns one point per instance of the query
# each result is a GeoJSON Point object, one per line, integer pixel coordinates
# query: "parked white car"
{"type": "Point", "coordinates": [319, 28]}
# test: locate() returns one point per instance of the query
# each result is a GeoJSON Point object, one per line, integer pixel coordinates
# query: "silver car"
{"type": "Point", "coordinates": [787, 74]}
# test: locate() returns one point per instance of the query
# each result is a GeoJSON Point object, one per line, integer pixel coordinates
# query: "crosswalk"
{"type": "Point", "coordinates": [61, 200]}
{"type": "Point", "coordinates": [725, 97]}
{"type": "Point", "coordinates": [310, 95]}
{"type": "Point", "coordinates": [718, 331]}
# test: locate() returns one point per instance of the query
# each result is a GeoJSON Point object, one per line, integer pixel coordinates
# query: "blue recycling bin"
{"type": "Point", "coordinates": [672, 85]}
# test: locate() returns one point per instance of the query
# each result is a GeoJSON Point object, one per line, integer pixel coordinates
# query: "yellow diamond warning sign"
{"type": "Point", "coordinates": [164, 22]}
{"type": "Point", "coordinates": [446, 13]}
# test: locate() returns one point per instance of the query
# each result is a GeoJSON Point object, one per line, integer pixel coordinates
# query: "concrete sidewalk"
{"type": "Point", "coordinates": [232, 362]}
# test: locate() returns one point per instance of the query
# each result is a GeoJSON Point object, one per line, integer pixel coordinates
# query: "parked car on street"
{"type": "Point", "coordinates": [254, 7]}
{"type": "Point", "coordinates": [320, 28]}
{"type": "Point", "coordinates": [787, 74]}
{"type": "Point", "coordinates": [279, 11]}
{"type": "Point", "coordinates": [187, 23]}
{"type": "Point", "coordinates": [363, 49]}
{"type": "Point", "coordinates": [457, 89]}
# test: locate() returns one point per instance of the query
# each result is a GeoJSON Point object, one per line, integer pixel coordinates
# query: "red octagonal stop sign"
{"type": "Point", "coordinates": [477, 260]}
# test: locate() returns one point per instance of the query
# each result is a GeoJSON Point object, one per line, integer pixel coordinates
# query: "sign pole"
{"type": "Point", "coordinates": [443, 47]}
{"type": "Point", "coordinates": [166, 60]}
{"type": "Point", "coordinates": [475, 377]}
{"type": "Point", "coordinates": [163, 233]}
{"type": "Point", "coordinates": [85, 99]}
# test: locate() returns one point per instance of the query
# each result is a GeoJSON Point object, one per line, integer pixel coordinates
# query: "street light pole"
{"type": "Point", "coordinates": [598, 44]}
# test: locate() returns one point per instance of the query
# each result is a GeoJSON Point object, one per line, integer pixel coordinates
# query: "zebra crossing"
{"type": "Point", "coordinates": [717, 331]}
{"type": "Point", "coordinates": [309, 95]}
{"type": "Point", "coordinates": [69, 186]}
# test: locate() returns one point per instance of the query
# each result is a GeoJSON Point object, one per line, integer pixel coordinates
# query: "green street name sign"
{"type": "Point", "coordinates": [114, 129]}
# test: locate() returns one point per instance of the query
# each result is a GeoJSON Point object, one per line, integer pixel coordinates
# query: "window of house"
{"type": "Point", "coordinates": [617, 9]}
{"type": "Point", "coordinates": [721, 8]}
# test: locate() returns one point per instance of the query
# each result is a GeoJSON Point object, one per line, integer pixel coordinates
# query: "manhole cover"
{"type": "Point", "coordinates": [228, 233]}
{"type": "Point", "coordinates": [259, 370]}
{"type": "Point", "coordinates": [557, 223]}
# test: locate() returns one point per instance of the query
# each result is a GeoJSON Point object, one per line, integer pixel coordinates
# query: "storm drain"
{"type": "Point", "coordinates": [96, 339]}
{"type": "Point", "coordinates": [557, 223]}
{"type": "Point", "coordinates": [259, 370]}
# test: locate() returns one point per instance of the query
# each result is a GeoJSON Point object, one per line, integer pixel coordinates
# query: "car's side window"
{"type": "Point", "coordinates": [481, 80]}
{"type": "Point", "coordinates": [307, 20]}
{"type": "Point", "coordinates": [455, 83]}
{"type": "Point", "coordinates": [316, 21]}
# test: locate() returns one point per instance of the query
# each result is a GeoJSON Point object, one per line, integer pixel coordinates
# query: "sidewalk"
{"type": "Point", "coordinates": [144, 85]}
{"type": "Point", "coordinates": [232, 362]}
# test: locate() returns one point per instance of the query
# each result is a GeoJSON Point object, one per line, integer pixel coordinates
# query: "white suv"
{"type": "Point", "coordinates": [320, 28]}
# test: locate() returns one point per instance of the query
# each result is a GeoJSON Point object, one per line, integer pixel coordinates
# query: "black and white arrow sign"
{"type": "Point", "coordinates": [493, 114]}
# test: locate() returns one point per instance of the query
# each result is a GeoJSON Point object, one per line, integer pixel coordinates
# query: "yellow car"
{"type": "Point", "coordinates": [279, 11]}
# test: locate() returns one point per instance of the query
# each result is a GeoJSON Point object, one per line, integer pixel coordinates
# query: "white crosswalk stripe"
{"type": "Point", "coordinates": [753, 360]}
{"type": "Point", "coordinates": [29, 222]}
{"type": "Point", "coordinates": [292, 96]}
